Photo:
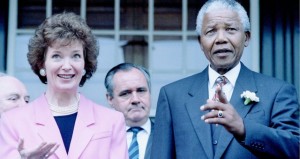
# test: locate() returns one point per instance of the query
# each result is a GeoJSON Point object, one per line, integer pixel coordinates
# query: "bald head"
{"type": "Point", "coordinates": [13, 93]}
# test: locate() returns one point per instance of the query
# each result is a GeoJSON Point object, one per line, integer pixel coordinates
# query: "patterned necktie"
{"type": "Point", "coordinates": [134, 146]}
{"type": "Point", "coordinates": [220, 81]}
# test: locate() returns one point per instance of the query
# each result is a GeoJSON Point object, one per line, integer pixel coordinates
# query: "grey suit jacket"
{"type": "Point", "coordinates": [271, 125]}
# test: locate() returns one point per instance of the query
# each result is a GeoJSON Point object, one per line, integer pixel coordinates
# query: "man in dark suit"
{"type": "Point", "coordinates": [242, 115]}
{"type": "Point", "coordinates": [128, 91]}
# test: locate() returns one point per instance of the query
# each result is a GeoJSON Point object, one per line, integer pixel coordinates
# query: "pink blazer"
{"type": "Point", "coordinates": [99, 132]}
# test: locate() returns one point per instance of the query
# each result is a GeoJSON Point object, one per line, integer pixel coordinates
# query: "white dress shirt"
{"type": "Point", "coordinates": [142, 138]}
{"type": "Point", "coordinates": [231, 76]}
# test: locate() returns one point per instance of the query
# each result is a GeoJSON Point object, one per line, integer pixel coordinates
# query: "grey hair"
{"type": "Point", "coordinates": [212, 5]}
{"type": "Point", "coordinates": [108, 82]}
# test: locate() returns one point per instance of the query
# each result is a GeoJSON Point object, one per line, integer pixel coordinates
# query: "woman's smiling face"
{"type": "Point", "coordinates": [64, 65]}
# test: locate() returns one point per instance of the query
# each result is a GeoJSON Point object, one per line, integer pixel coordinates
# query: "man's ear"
{"type": "Point", "coordinates": [247, 39]}
{"type": "Point", "coordinates": [199, 41]}
{"type": "Point", "coordinates": [109, 100]}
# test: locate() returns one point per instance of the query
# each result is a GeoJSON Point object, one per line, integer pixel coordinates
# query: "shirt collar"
{"type": "Point", "coordinates": [146, 127]}
{"type": "Point", "coordinates": [231, 75]}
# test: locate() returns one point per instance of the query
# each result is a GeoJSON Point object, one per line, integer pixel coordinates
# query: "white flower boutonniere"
{"type": "Point", "coordinates": [249, 97]}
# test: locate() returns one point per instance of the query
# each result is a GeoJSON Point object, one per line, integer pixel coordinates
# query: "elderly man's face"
{"type": "Point", "coordinates": [13, 93]}
{"type": "Point", "coordinates": [223, 39]}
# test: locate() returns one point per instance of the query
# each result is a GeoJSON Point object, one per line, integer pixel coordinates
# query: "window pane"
{"type": "Point", "coordinates": [246, 5]}
{"type": "Point", "coordinates": [66, 5]}
{"type": "Point", "coordinates": [167, 15]}
{"type": "Point", "coordinates": [31, 13]}
{"type": "Point", "coordinates": [100, 14]}
{"type": "Point", "coordinates": [167, 53]}
{"type": "Point", "coordinates": [195, 58]}
{"type": "Point", "coordinates": [134, 15]}
{"type": "Point", "coordinates": [135, 49]}
{"type": "Point", "coordinates": [20, 60]}
{"type": "Point", "coordinates": [109, 54]}
{"type": "Point", "coordinates": [193, 9]}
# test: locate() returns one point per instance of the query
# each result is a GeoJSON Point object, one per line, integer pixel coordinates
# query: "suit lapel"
{"type": "Point", "coordinates": [244, 82]}
{"type": "Point", "coordinates": [149, 143]}
{"type": "Point", "coordinates": [82, 134]}
{"type": "Point", "coordinates": [47, 129]}
{"type": "Point", "coordinates": [199, 95]}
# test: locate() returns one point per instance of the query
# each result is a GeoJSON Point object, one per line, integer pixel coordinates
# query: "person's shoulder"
{"type": "Point", "coordinates": [188, 80]}
{"type": "Point", "coordinates": [266, 82]}
{"type": "Point", "coordinates": [21, 112]}
{"type": "Point", "coordinates": [101, 109]}
{"type": "Point", "coordinates": [104, 109]}
{"type": "Point", "coordinates": [107, 114]}
{"type": "Point", "coordinates": [263, 78]}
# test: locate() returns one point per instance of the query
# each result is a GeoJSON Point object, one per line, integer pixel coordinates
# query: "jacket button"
{"type": "Point", "coordinates": [215, 142]}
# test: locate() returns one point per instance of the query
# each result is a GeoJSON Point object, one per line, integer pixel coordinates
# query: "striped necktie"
{"type": "Point", "coordinates": [220, 81]}
{"type": "Point", "coordinates": [134, 146]}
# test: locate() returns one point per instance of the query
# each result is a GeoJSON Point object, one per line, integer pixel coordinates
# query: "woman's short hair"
{"type": "Point", "coordinates": [64, 27]}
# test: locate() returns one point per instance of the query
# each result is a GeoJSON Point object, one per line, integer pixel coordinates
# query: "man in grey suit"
{"type": "Point", "coordinates": [128, 91]}
{"type": "Point", "coordinates": [241, 116]}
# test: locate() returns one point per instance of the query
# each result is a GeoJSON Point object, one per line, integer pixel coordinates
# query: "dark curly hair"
{"type": "Point", "coordinates": [64, 27]}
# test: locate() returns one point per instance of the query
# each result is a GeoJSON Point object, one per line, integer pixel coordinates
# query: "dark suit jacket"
{"type": "Point", "coordinates": [271, 125]}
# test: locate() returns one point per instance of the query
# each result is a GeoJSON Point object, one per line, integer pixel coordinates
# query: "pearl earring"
{"type": "Point", "coordinates": [83, 72]}
{"type": "Point", "coordinates": [42, 72]}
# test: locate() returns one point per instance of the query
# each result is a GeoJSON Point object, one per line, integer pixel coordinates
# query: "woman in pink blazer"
{"type": "Point", "coordinates": [62, 123]}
